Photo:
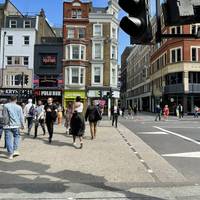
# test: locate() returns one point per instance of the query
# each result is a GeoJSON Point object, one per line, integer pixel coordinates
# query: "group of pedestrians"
{"type": "Point", "coordinates": [178, 112]}
{"type": "Point", "coordinates": [14, 116]}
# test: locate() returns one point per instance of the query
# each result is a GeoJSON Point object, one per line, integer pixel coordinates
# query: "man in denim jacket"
{"type": "Point", "coordinates": [12, 130]}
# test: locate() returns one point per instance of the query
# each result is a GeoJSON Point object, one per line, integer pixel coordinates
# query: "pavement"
{"type": "Point", "coordinates": [118, 164]}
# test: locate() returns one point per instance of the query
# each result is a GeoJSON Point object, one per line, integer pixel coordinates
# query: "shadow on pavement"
{"type": "Point", "coordinates": [34, 178]}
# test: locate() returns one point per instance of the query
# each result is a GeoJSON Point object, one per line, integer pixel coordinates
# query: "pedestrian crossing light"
{"type": "Point", "coordinates": [137, 23]}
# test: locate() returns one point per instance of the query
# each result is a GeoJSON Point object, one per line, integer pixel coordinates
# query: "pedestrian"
{"type": "Point", "coordinates": [29, 113]}
{"type": "Point", "coordinates": [2, 122]}
{"type": "Point", "coordinates": [15, 121]}
{"type": "Point", "coordinates": [115, 115]}
{"type": "Point", "coordinates": [68, 116]}
{"type": "Point", "coordinates": [181, 113]}
{"type": "Point", "coordinates": [39, 118]}
{"type": "Point", "coordinates": [51, 116]}
{"type": "Point", "coordinates": [123, 111]}
{"type": "Point", "coordinates": [77, 124]}
{"type": "Point", "coordinates": [135, 110]}
{"type": "Point", "coordinates": [177, 112]}
{"type": "Point", "coordinates": [129, 112]}
{"type": "Point", "coordinates": [93, 114]}
{"type": "Point", "coordinates": [158, 113]}
{"type": "Point", "coordinates": [60, 114]}
{"type": "Point", "coordinates": [196, 110]}
{"type": "Point", "coordinates": [166, 112]}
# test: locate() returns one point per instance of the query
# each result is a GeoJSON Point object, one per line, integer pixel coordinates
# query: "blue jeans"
{"type": "Point", "coordinates": [12, 139]}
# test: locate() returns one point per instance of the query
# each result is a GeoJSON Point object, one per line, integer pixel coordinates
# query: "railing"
{"type": "Point", "coordinates": [194, 88]}
{"type": "Point", "coordinates": [176, 88]}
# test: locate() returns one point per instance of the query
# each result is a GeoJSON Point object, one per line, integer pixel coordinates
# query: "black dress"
{"type": "Point", "coordinates": [77, 124]}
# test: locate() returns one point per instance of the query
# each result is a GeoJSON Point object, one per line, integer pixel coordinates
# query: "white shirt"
{"type": "Point", "coordinates": [80, 108]}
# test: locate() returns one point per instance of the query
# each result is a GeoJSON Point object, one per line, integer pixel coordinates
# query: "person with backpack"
{"type": "Point", "coordinates": [51, 116]}
{"type": "Point", "coordinates": [13, 121]}
{"type": "Point", "coordinates": [93, 114]}
{"type": "Point", "coordinates": [29, 113]}
{"type": "Point", "coordinates": [39, 118]}
{"type": "Point", "coordinates": [2, 119]}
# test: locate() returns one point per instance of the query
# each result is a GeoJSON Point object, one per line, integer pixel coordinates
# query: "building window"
{"type": "Point", "coordinates": [75, 75]}
{"type": "Point", "coordinates": [70, 33]}
{"type": "Point", "coordinates": [13, 24]}
{"type": "Point", "coordinates": [114, 52]}
{"type": "Point", "coordinates": [9, 60]}
{"type": "Point", "coordinates": [194, 28]}
{"type": "Point", "coordinates": [26, 60]}
{"type": "Point", "coordinates": [194, 77]}
{"type": "Point", "coordinates": [98, 51]}
{"type": "Point", "coordinates": [17, 60]}
{"type": "Point", "coordinates": [114, 76]}
{"type": "Point", "coordinates": [27, 24]}
{"type": "Point", "coordinates": [77, 13]}
{"type": "Point", "coordinates": [82, 76]}
{"type": "Point", "coordinates": [97, 30]}
{"type": "Point", "coordinates": [75, 52]}
{"type": "Point", "coordinates": [195, 54]}
{"type": "Point", "coordinates": [114, 33]}
{"type": "Point", "coordinates": [176, 30]}
{"type": "Point", "coordinates": [97, 75]}
{"type": "Point", "coordinates": [176, 55]}
{"type": "Point", "coordinates": [26, 40]}
{"type": "Point", "coordinates": [81, 33]}
{"type": "Point", "coordinates": [10, 40]}
{"type": "Point", "coordinates": [174, 78]}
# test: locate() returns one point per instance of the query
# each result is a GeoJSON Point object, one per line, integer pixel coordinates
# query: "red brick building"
{"type": "Point", "coordinates": [175, 70]}
{"type": "Point", "coordinates": [76, 41]}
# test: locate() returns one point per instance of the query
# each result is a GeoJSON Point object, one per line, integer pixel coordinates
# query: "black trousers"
{"type": "Point", "coordinates": [49, 124]}
{"type": "Point", "coordinates": [30, 124]}
{"type": "Point", "coordinates": [41, 123]}
{"type": "Point", "coordinates": [115, 120]}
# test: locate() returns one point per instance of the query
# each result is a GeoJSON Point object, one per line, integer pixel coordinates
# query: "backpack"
{"type": "Point", "coordinates": [4, 116]}
{"type": "Point", "coordinates": [31, 111]}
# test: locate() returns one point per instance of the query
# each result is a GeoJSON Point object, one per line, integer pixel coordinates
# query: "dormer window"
{"type": "Point", "coordinates": [27, 24]}
{"type": "Point", "coordinates": [13, 24]}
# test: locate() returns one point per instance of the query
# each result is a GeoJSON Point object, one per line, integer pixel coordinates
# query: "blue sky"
{"type": "Point", "coordinates": [53, 10]}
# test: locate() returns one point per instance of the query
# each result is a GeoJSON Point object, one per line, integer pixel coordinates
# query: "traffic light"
{"type": "Point", "coordinates": [111, 94]}
{"type": "Point", "coordinates": [181, 12]}
{"type": "Point", "coordinates": [100, 94]}
{"type": "Point", "coordinates": [137, 24]}
{"type": "Point", "coordinates": [26, 79]}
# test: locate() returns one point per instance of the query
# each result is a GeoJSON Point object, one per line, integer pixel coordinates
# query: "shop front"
{"type": "Point", "coordinates": [70, 96]}
{"type": "Point", "coordinates": [44, 94]}
{"type": "Point", "coordinates": [22, 94]}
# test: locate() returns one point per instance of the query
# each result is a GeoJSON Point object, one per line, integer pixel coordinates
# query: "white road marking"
{"type": "Point", "coordinates": [150, 171]}
{"type": "Point", "coordinates": [179, 127]}
{"type": "Point", "coordinates": [178, 135]}
{"type": "Point", "coordinates": [153, 133]}
{"type": "Point", "coordinates": [184, 155]}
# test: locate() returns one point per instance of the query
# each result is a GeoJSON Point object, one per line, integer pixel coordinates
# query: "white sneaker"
{"type": "Point", "coordinates": [10, 157]}
{"type": "Point", "coordinates": [74, 144]}
{"type": "Point", "coordinates": [16, 153]}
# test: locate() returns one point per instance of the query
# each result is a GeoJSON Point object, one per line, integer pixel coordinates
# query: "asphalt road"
{"type": "Point", "coordinates": [178, 141]}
